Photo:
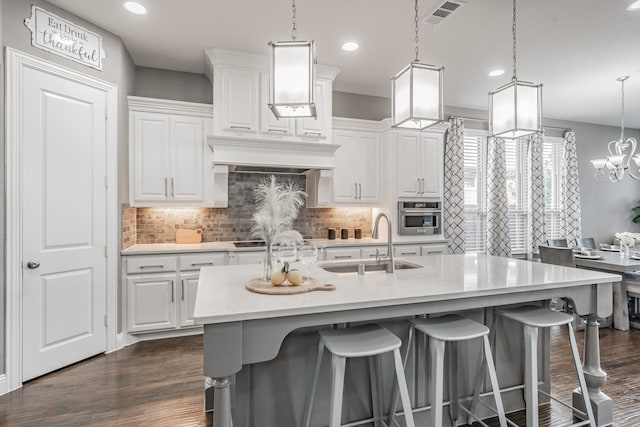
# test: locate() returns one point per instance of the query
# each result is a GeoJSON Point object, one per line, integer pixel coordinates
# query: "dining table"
{"type": "Point", "coordinates": [611, 261]}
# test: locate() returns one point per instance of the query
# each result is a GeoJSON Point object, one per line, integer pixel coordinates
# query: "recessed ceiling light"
{"type": "Point", "coordinates": [135, 8]}
{"type": "Point", "coordinates": [496, 73]}
{"type": "Point", "coordinates": [351, 46]}
{"type": "Point", "coordinates": [634, 6]}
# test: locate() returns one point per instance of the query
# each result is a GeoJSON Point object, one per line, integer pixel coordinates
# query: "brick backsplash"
{"type": "Point", "coordinates": [158, 225]}
{"type": "Point", "coordinates": [128, 226]}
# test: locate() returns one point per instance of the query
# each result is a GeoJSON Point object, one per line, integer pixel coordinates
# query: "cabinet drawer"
{"type": "Point", "coordinates": [195, 262]}
{"type": "Point", "coordinates": [407, 250]}
{"type": "Point", "coordinates": [337, 254]}
{"type": "Point", "coordinates": [370, 251]}
{"type": "Point", "coordinates": [150, 264]}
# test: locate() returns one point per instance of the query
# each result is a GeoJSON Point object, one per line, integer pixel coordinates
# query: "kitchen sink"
{"type": "Point", "coordinates": [368, 265]}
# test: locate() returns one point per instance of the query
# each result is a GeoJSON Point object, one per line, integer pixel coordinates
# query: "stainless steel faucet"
{"type": "Point", "coordinates": [389, 258]}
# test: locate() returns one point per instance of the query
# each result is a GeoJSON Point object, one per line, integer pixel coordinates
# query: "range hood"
{"type": "Point", "coordinates": [271, 156]}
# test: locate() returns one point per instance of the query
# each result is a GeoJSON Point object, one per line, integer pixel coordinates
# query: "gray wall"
{"type": "Point", "coordinates": [118, 69]}
{"type": "Point", "coordinates": [178, 86]}
{"type": "Point", "coordinates": [606, 206]}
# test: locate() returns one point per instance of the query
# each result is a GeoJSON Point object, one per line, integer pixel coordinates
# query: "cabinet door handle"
{"type": "Point", "coordinates": [418, 186]}
{"type": "Point", "coordinates": [152, 266]}
{"type": "Point", "coordinates": [355, 189]}
{"type": "Point", "coordinates": [195, 264]}
{"type": "Point", "coordinates": [172, 292]}
{"type": "Point", "coordinates": [360, 190]}
{"type": "Point", "coordinates": [422, 181]}
{"type": "Point", "coordinates": [240, 127]}
{"type": "Point", "coordinates": [277, 130]}
{"type": "Point", "coordinates": [408, 253]}
{"type": "Point", "coordinates": [342, 256]}
{"type": "Point", "coordinates": [313, 133]}
{"type": "Point", "coordinates": [182, 293]}
{"type": "Point", "coordinates": [166, 187]}
{"type": "Point", "coordinates": [173, 194]}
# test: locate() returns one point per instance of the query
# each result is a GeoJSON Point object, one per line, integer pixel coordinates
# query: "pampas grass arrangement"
{"type": "Point", "coordinates": [278, 205]}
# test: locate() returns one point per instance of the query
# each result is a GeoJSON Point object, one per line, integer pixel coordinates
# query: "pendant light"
{"type": "Point", "coordinates": [618, 161]}
{"type": "Point", "coordinates": [515, 109]}
{"type": "Point", "coordinates": [417, 93]}
{"type": "Point", "coordinates": [292, 76]}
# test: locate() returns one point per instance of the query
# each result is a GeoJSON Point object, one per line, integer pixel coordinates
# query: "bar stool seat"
{"type": "Point", "coordinates": [533, 318]}
{"type": "Point", "coordinates": [361, 341]}
{"type": "Point", "coordinates": [450, 328]}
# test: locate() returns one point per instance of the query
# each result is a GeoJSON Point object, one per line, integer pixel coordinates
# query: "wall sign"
{"type": "Point", "coordinates": [61, 37]}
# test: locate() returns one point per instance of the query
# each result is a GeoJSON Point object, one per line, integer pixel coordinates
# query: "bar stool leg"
{"type": "Point", "coordinates": [394, 390]}
{"type": "Point", "coordinates": [402, 386]}
{"type": "Point", "coordinates": [495, 387]}
{"type": "Point", "coordinates": [583, 383]}
{"type": "Point", "coordinates": [376, 392]}
{"type": "Point", "coordinates": [337, 385]}
{"type": "Point", "coordinates": [454, 393]}
{"type": "Point", "coordinates": [312, 395]}
{"type": "Point", "coordinates": [436, 383]}
{"type": "Point", "coordinates": [531, 374]}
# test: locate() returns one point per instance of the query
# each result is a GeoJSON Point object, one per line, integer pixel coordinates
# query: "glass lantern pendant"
{"type": "Point", "coordinates": [292, 76]}
{"type": "Point", "coordinates": [417, 93]}
{"type": "Point", "coordinates": [515, 109]}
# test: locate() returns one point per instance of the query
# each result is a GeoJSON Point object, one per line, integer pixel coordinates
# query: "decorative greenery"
{"type": "Point", "coordinates": [636, 210]}
{"type": "Point", "coordinates": [278, 205]}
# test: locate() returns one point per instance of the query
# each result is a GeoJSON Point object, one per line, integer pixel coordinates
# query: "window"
{"type": "Point", "coordinates": [517, 170]}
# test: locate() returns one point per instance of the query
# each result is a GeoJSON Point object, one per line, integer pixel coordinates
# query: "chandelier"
{"type": "Point", "coordinates": [292, 76]}
{"type": "Point", "coordinates": [621, 153]}
{"type": "Point", "coordinates": [417, 92]}
{"type": "Point", "coordinates": [515, 109]}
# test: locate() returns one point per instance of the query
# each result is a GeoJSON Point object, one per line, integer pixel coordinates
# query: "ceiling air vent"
{"type": "Point", "coordinates": [443, 11]}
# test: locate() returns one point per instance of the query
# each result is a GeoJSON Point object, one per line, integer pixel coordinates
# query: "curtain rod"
{"type": "Point", "coordinates": [485, 121]}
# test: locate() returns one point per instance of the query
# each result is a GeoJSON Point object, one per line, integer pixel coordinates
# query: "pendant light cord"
{"type": "Point", "coordinates": [513, 28]}
{"type": "Point", "coordinates": [622, 79]}
{"type": "Point", "coordinates": [294, 30]}
{"type": "Point", "coordinates": [416, 22]}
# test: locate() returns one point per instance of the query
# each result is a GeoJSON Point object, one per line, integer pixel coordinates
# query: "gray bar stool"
{"type": "Point", "coordinates": [360, 341]}
{"type": "Point", "coordinates": [453, 329]}
{"type": "Point", "coordinates": [533, 318]}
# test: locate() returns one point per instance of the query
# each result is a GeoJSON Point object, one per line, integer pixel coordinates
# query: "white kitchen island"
{"type": "Point", "coordinates": [243, 328]}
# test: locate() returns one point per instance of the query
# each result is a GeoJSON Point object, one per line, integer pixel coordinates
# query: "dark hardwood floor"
{"type": "Point", "coordinates": [160, 383]}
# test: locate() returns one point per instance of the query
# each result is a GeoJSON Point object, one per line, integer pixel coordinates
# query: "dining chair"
{"type": "Point", "coordinates": [557, 255]}
{"type": "Point", "coordinates": [558, 243]}
{"type": "Point", "coordinates": [586, 242]}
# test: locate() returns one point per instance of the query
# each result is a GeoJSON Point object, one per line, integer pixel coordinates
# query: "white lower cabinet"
{"type": "Point", "coordinates": [341, 253]}
{"type": "Point", "coordinates": [151, 302]}
{"type": "Point", "coordinates": [420, 250]}
{"type": "Point", "coordinates": [161, 289]}
{"type": "Point", "coordinates": [251, 257]}
{"type": "Point", "coordinates": [370, 251]}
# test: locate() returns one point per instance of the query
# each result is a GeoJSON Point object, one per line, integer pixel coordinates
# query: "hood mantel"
{"type": "Point", "coordinates": [266, 153]}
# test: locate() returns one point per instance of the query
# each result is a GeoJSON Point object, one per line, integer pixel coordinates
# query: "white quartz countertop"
{"type": "Point", "coordinates": [222, 296]}
{"type": "Point", "coordinates": [164, 248]}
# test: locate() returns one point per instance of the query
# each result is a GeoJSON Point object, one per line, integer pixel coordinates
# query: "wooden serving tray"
{"type": "Point", "coordinates": [264, 287]}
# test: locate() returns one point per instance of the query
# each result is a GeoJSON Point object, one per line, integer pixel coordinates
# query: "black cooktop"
{"type": "Point", "coordinates": [249, 244]}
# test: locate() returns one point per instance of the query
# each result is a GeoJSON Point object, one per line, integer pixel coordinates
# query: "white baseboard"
{"type": "Point", "coordinates": [4, 389]}
{"type": "Point", "coordinates": [167, 334]}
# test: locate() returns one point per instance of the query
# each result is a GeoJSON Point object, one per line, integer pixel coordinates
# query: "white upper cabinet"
{"type": "Point", "coordinates": [269, 124]}
{"type": "Point", "coordinates": [418, 164]}
{"type": "Point", "coordinates": [311, 129]}
{"type": "Point", "coordinates": [357, 177]}
{"type": "Point", "coordinates": [169, 161]}
{"type": "Point", "coordinates": [241, 95]}
{"type": "Point", "coordinates": [238, 98]}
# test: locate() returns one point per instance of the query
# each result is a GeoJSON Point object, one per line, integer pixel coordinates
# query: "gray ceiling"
{"type": "Point", "coordinates": [575, 48]}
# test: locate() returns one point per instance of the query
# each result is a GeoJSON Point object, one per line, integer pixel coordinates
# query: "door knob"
{"type": "Point", "coordinates": [32, 263]}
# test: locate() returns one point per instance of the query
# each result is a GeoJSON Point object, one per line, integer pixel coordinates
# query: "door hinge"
{"type": "Point", "coordinates": [105, 320]}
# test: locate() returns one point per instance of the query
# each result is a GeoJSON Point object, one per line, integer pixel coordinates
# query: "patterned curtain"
{"type": "Point", "coordinates": [498, 234]}
{"type": "Point", "coordinates": [570, 189]}
{"type": "Point", "coordinates": [536, 191]}
{"type": "Point", "coordinates": [453, 201]}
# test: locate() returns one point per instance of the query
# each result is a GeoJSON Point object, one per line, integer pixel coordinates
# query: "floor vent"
{"type": "Point", "coordinates": [443, 11]}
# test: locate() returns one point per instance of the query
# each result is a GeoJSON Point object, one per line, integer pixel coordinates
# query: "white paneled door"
{"type": "Point", "coordinates": [64, 222]}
